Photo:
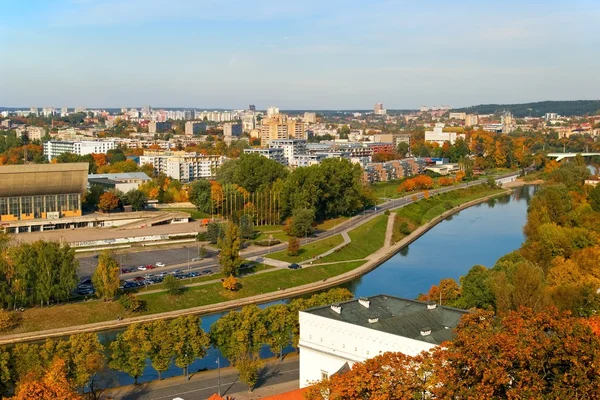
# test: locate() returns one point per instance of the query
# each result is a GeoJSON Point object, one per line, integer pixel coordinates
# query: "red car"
{"type": "Point", "coordinates": [150, 266]}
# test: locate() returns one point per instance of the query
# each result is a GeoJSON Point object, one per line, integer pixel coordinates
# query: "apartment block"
{"type": "Point", "coordinates": [54, 148]}
{"type": "Point", "coordinates": [182, 166]}
{"type": "Point", "coordinates": [158, 127]}
{"type": "Point", "coordinates": [310, 117]}
{"type": "Point", "coordinates": [232, 129]}
{"type": "Point", "coordinates": [194, 128]}
{"type": "Point", "coordinates": [270, 153]}
{"type": "Point", "coordinates": [292, 148]}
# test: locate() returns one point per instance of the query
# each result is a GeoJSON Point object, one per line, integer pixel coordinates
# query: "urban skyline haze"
{"type": "Point", "coordinates": [308, 55]}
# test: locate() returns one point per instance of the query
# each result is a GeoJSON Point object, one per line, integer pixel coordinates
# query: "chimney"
{"type": "Point", "coordinates": [363, 301]}
{"type": "Point", "coordinates": [431, 305]}
{"type": "Point", "coordinates": [336, 308]}
{"type": "Point", "coordinates": [425, 331]}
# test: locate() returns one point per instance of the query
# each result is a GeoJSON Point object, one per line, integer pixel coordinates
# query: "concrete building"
{"type": "Point", "coordinates": [123, 182]}
{"type": "Point", "coordinates": [194, 128]}
{"type": "Point", "coordinates": [379, 110]}
{"type": "Point", "coordinates": [270, 153]}
{"type": "Point", "coordinates": [34, 133]}
{"type": "Point", "coordinates": [232, 129]}
{"type": "Point", "coordinates": [508, 122]}
{"type": "Point", "coordinates": [41, 191]}
{"type": "Point", "coordinates": [271, 111]}
{"type": "Point", "coordinates": [54, 148]}
{"type": "Point", "coordinates": [457, 115]}
{"type": "Point", "coordinates": [335, 337]}
{"type": "Point", "coordinates": [158, 127]}
{"type": "Point", "coordinates": [310, 117]}
{"type": "Point", "coordinates": [471, 120]}
{"type": "Point", "coordinates": [248, 122]}
{"type": "Point", "coordinates": [184, 167]}
{"type": "Point", "coordinates": [292, 148]}
{"type": "Point", "coordinates": [439, 136]}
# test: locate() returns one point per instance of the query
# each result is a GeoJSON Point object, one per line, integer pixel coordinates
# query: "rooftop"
{"type": "Point", "coordinates": [119, 176]}
{"type": "Point", "coordinates": [413, 319]}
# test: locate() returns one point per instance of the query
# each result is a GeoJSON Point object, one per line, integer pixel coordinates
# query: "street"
{"type": "Point", "coordinates": [203, 385]}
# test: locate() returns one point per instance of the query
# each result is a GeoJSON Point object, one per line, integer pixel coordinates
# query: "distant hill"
{"type": "Point", "coordinates": [538, 109]}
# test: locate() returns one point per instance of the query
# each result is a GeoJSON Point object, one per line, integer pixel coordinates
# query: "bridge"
{"type": "Point", "coordinates": [560, 156]}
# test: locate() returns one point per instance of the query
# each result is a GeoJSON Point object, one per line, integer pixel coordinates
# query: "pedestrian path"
{"type": "Point", "coordinates": [328, 252]}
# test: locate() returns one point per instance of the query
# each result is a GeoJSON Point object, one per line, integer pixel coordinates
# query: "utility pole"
{"type": "Point", "coordinates": [219, 375]}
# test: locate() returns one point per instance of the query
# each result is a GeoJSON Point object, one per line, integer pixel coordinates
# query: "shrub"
{"type": "Point", "coordinates": [293, 247]}
{"type": "Point", "coordinates": [132, 303]}
{"type": "Point", "coordinates": [230, 283]}
{"type": "Point", "coordinates": [448, 205]}
{"type": "Point", "coordinates": [7, 320]}
{"type": "Point", "coordinates": [386, 212]}
{"type": "Point", "coordinates": [404, 228]}
{"type": "Point", "coordinates": [267, 242]}
{"type": "Point", "coordinates": [201, 237]}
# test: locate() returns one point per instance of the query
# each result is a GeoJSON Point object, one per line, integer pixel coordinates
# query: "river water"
{"type": "Point", "coordinates": [478, 235]}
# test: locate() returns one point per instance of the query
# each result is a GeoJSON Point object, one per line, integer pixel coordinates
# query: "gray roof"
{"type": "Point", "coordinates": [397, 316]}
{"type": "Point", "coordinates": [119, 176]}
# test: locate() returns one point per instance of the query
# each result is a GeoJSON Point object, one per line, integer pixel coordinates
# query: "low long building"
{"type": "Point", "coordinates": [41, 191]}
{"type": "Point", "coordinates": [333, 338]}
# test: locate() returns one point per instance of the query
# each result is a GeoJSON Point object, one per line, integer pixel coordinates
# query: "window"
{"type": "Point", "coordinates": [3, 206]}
{"type": "Point", "coordinates": [15, 208]}
{"type": "Point", "coordinates": [324, 375]}
{"type": "Point", "coordinates": [26, 205]}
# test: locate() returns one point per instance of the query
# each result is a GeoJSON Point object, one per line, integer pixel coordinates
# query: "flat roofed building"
{"type": "Point", "coordinates": [41, 190]}
{"type": "Point", "coordinates": [337, 336]}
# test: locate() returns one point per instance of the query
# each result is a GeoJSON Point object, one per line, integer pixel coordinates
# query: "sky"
{"type": "Point", "coordinates": [309, 54]}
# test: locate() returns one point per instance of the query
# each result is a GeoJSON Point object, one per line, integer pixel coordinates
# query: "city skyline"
{"type": "Point", "coordinates": [334, 55]}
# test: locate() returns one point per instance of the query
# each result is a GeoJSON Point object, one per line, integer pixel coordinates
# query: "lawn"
{"type": "Point", "coordinates": [195, 214]}
{"type": "Point", "coordinates": [36, 319]}
{"type": "Point", "coordinates": [386, 189]}
{"type": "Point", "coordinates": [310, 250]}
{"type": "Point", "coordinates": [366, 239]}
{"type": "Point", "coordinates": [330, 223]}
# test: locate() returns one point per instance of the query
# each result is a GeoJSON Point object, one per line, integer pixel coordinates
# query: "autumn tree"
{"type": "Point", "coordinates": [189, 340]}
{"type": "Point", "coordinates": [161, 343]}
{"type": "Point", "coordinates": [106, 278]}
{"type": "Point", "coordinates": [293, 246]}
{"type": "Point", "coordinates": [229, 257]}
{"type": "Point", "coordinates": [130, 350]}
{"type": "Point", "coordinates": [54, 385]}
{"type": "Point", "coordinates": [108, 202]}
{"type": "Point", "coordinates": [86, 358]}
{"type": "Point", "coordinates": [231, 283]}
{"type": "Point", "coordinates": [173, 285]}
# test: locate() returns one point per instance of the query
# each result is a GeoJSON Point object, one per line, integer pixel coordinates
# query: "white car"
{"type": "Point", "coordinates": [159, 264]}
{"type": "Point", "coordinates": [142, 268]}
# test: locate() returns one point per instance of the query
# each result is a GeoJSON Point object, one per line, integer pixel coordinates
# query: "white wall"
{"type": "Point", "coordinates": [328, 344]}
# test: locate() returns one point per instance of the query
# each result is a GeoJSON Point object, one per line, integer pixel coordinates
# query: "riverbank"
{"type": "Point", "coordinates": [372, 261]}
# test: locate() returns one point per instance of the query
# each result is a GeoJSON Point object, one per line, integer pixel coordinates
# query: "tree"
{"type": "Point", "coordinates": [7, 320]}
{"type": "Point", "coordinates": [229, 257]}
{"type": "Point", "coordinates": [293, 246]}
{"type": "Point", "coordinates": [248, 369]}
{"type": "Point", "coordinates": [231, 283]}
{"type": "Point", "coordinates": [130, 350]}
{"type": "Point", "coordinates": [251, 171]}
{"type": "Point", "coordinates": [202, 252]}
{"type": "Point", "coordinates": [108, 202]}
{"type": "Point", "coordinates": [190, 341]}
{"type": "Point", "coordinates": [301, 222]}
{"type": "Point", "coordinates": [161, 351]}
{"type": "Point", "coordinates": [246, 227]}
{"type": "Point", "coordinates": [106, 278]}
{"type": "Point", "coordinates": [278, 326]}
{"type": "Point", "coordinates": [214, 232]}
{"type": "Point", "coordinates": [173, 285]}
{"type": "Point", "coordinates": [475, 291]}
{"type": "Point", "coordinates": [27, 362]}
{"type": "Point", "coordinates": [5, 370]}
{"type": "Point", "coordinates": [200, 195]}
{"type": "Point", "coordinates": [131, 302]}
{"type": "Point", "coordinates": [402, 149]}
{"type": "Point", "coordinates": [594, 197]}
{"type": "Point", "coordinates": [54, 385]}
{"type": "Point", "coordinates": [86, 358]}
{"type": "Point", "coordinates": [137, 199]}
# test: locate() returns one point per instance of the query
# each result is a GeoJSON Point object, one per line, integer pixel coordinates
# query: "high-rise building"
{"type": "Point", "coordinates": [158, 127]}
{"type": "Point", "coordinates": [189, 115]}
{"type": "Point", "coordinates": [194, 128]}
{"type": "Point", "coordinates": [310, 117]}
{"type": "Point", "coordinates": [182, 166]}
{"type": "Point", "coordinates": [34, 111]}
{"type": "Point", "coordinates": [279, 126]}
{"type": "Point", "coordinates": [64, 112]}
{"type": "Point", "coordinates": [508, 123]}
{"type": "Point", "coordinates": [378, 109]}
{"type": "Point", "coordinates": [232, 129]}
{"type": "Point", "coordinates": [272, 111]}
{"type": "Point", "coordinates": [471, 120]}
{"type": "Point", "coordinates": [252, 108]}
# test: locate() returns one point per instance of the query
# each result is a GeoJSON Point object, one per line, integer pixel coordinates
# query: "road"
{"type": "Point", "coordinates": [203, 385]}
{"type": "Point", "coordinates": [177, 258]}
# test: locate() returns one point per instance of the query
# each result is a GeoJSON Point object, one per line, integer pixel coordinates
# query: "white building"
{"type": "Point", "coordinates": [291, 148]}
{"type": "Point", "coordinates": [439, 136]}
{"type": "Point", "coordinates": [310, 118]}
{"type": "Point", "coordinates": [186, 167]}
{"type": "Point", "coordinates": [272, 111]}
{"type": "Point", "coordinates": [379, 110]}
{"type": "Point", "coordinates": [335, 337]}
{"type": "Point", "coordinates": [54, 148]}
{"type": "Point", "coordinates": [471, 120]}
{"type": "Point", "coordinates": [270, 153]}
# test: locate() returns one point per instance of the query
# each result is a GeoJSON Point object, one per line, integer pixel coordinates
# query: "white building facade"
{"type": "Point", "coordinates": [54, 148]}
{"type": "Point", "coordinates": [438, 135]}
{"type": "Point", "coordinates": [337, 336]}
{"type": "Point", "coordinates": [184, 168]}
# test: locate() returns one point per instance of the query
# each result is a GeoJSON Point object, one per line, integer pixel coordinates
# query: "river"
{"type": "Point", "coordinates": [478, 235]}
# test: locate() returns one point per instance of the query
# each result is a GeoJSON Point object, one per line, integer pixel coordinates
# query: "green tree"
{"type": "Point", "coordinates": [251, 171]}
{"type": "Point", "coordinates": [200, 195]}
{"type": "Point", "coordinates": [27, 361]}
{"type": "Point", "coordinates": [249, 369]}
{"type": "Point", "coordinates": [594, 197]}
{"type": "Point", "coordinates": [86, 358]}
{"type": "Point", "coordinates": [5, 370]}
{"type": "Point", "coordinates": [137, 199]}
{"type": "Point", "coordinates": [173, 285]}
{"type": "Point", "coordinates": [214, 232]}
{"type": "Point", "coordinates": [475, 292]}
{"type": "Point", "coordinates": [246, 227]}
{"type": "Point", "coordinates": [161, 351]}
{"type": "Point", "coordinates": [229, 257]}
{"type": "Point", "coordinates": [190, 341]}
{"type": "Point", "coordinates": [402, 149]}
{"type": "Point", "coordinates": [130, 350]}
{"type": "Point", "coordinates": [106, 278]}
{"type": "Point", "coordinates": [301, 222]}
{"type": "Point", "coordinates": [278, 326]}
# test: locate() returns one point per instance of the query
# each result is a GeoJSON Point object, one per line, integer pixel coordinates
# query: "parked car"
{"type": "Point", "coordinates": [294, 266]}
{"type": "Point", "coordinates": [142, 268]}
{"type": "Point", "coordinates": [207, 272]}
{"type": "Point", "coordinates": [160, 264]}
{"type": "Point", "coordinates": [150, 266]}
{"type": "Point", "coordinates": [85, 281]}
{"type": "Point", "coordinates": [196, 259]}
{"type": "Point", "coordinates": [138, 278]}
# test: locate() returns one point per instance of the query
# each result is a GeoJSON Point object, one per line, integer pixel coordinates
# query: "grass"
{"type": "Point", "coordinates": [412, 216]}
{"type": "Point", "coordinates": [61, 316]}
{"type": "Point", "coordinates": [195, 214]}
{"type": "Point", "coordinates": [310, 250]}
{"type": "Point", "coordinates": [386, 189]}
{"type": "Point", "coordinates": [366, 239]}
{"type": "Point", "coordinates": [330, 223]}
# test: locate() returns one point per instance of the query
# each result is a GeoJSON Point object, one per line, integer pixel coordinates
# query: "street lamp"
{"type": "Point", "coordinates": [219, 375]}
{"type": "Point", "coordinates": [187, 377]}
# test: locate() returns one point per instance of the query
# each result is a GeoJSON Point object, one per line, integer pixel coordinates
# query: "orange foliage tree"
{"type": "Point", "coordinates": [54, 385]}
{"type": "Point", "coordinates": [108, 202]}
